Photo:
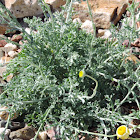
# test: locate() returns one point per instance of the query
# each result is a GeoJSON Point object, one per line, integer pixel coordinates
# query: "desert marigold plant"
{"type": "Point", "coordinates": [77, 82]}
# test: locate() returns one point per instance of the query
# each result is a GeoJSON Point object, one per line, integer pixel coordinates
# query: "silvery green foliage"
{"type": "Point", "coordinates": [46, 73]}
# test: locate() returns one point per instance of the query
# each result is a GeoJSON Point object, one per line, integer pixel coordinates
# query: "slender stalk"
{"type": "Point", "coordinates": [97, 134]}
{"type": "Point", "coordinates": [93, 25]}
{"type": "Point", "coordinates": [95, 89]}
{"type": "Point", "coordinates": [134, 138]}
{"type": "Point", "coordinates": [49, 11]}
{"type": "Point", "coordinates": [126, 96]}
{"type": "Point", "coordinates": [69, 11]}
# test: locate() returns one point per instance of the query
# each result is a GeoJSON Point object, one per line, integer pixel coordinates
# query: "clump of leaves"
{"type": "Point", "coordinates": [46, 88]}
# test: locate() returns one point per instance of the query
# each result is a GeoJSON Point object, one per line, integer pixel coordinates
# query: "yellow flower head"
{"type": "Point", "coordinates": [81, 74]}
{"type": "Point", "coordinates": [122, 132]}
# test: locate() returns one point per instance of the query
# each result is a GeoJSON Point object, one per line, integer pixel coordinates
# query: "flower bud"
{"type": "Point", "coordinates": [81, 74]}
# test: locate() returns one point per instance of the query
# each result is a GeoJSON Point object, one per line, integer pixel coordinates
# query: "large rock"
{"type": "Point", "coordinates": [23, 8]}
{"type": "Point", "coordinates": [104, 12]}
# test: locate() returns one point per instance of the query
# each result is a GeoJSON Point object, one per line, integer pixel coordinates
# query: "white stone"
{"type": "Point", "coordinates": [101, 32]}
{"type": "Point", "coordinates": [87, 26]}
{"type": "Point", "coordinates": [42, 135]}
{"type": "Point", "coordinates": [23, 8]}
{"type": "Point", "coordinates": [107, 34]}
{"type": "Point", "coordinates": [12, 54]}
{"type": "Point", "coordinates": [28, 30]}
{"type": "Point", "coordinates": [77, 20]}
{"type": "Point", "coordinates": [6, 134]}
{"type": "Point", "coordinates": [9, 47]}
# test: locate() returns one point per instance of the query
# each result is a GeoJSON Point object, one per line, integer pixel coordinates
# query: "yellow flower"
{"type": "Point", "coordinates": [81, 74]}
{"type": "Point", "coordinates": [122, 132]}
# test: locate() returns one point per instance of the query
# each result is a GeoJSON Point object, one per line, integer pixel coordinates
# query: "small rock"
{"type": "Point", "coordinates": [107, 34]}
{"type": "Point", "coordinates": [42, 135]}
{"type": "Point", "coordinates": [101, 32]}
{"type": "Point", "coordinates": [2, 70]}
{"type": "Point", "coordinates": [3, 28]}
{"type": "Point", "coordinates": [16, 38]}
{"type": "Point", "coordinates": [9, 38]}
{"type": "Point", "coordinates": [2, 43]}
{"type": "Point", "coordinates": [20, 42]}
{"type": "Point", "coordinates": [55, 3]}
{"type": "Point", "coordinates": [87, 26]}
{"type": "Point", "coordinates": [51, 132]}
{"type": "Point", "coordinates": [10, 47]}
{"type": "Point", "coordinates": [28, 30]}
{"type": "Point", "coordinates": [132, 58]}
{"type": "Point", "coordinates": [6, 134]}
{"type": "Point", "coordinates": [4, 113]}
{"type": "Point", "coordinates": [5, 60]}
{"type": "Point", "coordinates": [77, 20]}
{"type": "Point", "coordinates": [9, 77]}
{"type": "Point", "coordinates": [136, 43]}
{"type": "Point", "coordinates": [12, 54]}
{"type": "Point", "coordinates": [25, 133]}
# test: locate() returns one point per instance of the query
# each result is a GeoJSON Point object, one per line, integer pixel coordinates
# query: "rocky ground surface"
{"type": "Point", "coordinates": [105, 12]}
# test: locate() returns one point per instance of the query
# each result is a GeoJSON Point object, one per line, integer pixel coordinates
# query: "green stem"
{"type": "Point", "coordinates": [49, 11]}
{"type": "Point", "coordinates": [91, 133]}
{"type": "Point", "coordinates": [126, 96]}
{"type": "Point", "coordinates": [69, 12]}
{"type": "Point", "coordinates": [134, 138]}
{"type": "Point", "coordinates": [95, 89]}
{"type": "Point", "coordinates": [93, 25]}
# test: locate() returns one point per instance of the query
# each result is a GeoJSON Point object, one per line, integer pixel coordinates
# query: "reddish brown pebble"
{"type": "Point", "coordinates": [16, 38]}
{"type": "Point", "coordinates": [2, 43]}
